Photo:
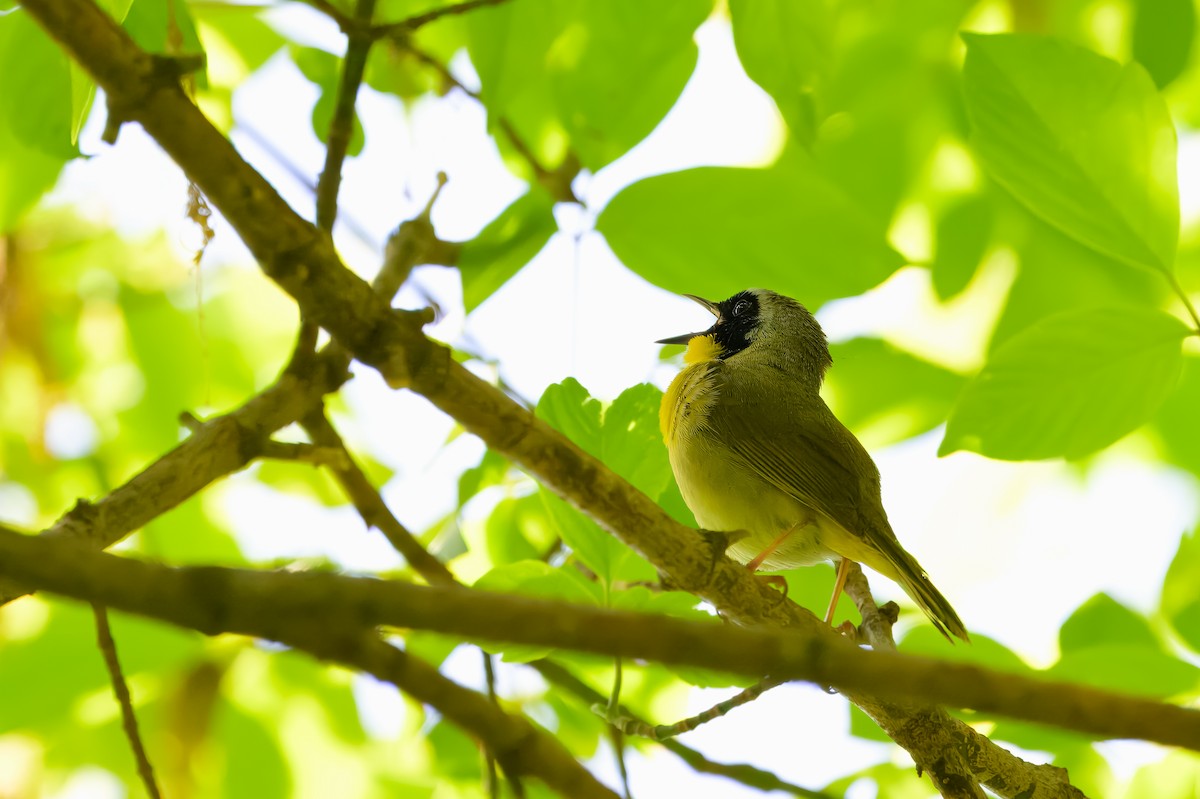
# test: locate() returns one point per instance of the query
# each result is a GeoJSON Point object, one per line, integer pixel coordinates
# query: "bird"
{"type": "Point", "coordinates": [759, 455]}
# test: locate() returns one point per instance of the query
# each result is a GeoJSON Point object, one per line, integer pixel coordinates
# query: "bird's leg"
{"type": "Point", "coordinates": [838, 585]}
{"type": "Point", "coordinates": [774, 545]}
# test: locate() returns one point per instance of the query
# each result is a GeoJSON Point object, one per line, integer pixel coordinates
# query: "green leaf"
{"type": "Point", "coordinates": [630, 440]}
{"type": "Point", "coordinates": [490, 471]}
{"type": "Point", "coordinates": [608, 49]}
{"type": "Point", "coordinates": [242, 30]}
{"type": "Point", "coordinates": [887, 395]}
{"type": "Point", "coordinates": [1069, 385]}
{"type": "Point", "coordinates": [625, 437]}
{"type": "Point", "coordinates": [714, 230]}
{"type": "Point", "coordinates": [963, 233]}
{"type": "Point", "coordinates": [1180, 600]}
{"type": "Point", "coordinates": [1178, 433]}
{"type": "Point", "coordinates": [598, 549]}
{"type": "Point", "coordinates": [25, 175]}
{"type": "Point", "coordinates": [1056, 273]}
{"type": "Point", "coordinates": [509, 241]}
{"type": "Point", "coordinates": [537, 579]}
{"type": "Point", "coordinates": [562, 72]}
{"type": "Point", "coordinates": [254, 764]}
{"type": "Point", "coordinates": [571, 410]}
{"type": "Point", "coordinates": [1162, 37]}
{"type": "Point", "coordinates": [518, 529]}
{"type": "Point", "coordinates": [1103, 621]}
{"type": "Point", "coordinates": [983, 651]}
{"type": "Point", "coordinates": [1127, 668]}
{"type": "Point", "coordinates": [165, 28]}
{"type": "Point", "coordinates": [35, 105]}
{"type": "Point", "coordinates": [1085, 143]}
{"type": "Point", "coordinates": [784, 46]}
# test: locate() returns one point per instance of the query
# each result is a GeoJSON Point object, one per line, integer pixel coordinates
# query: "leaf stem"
{"type": "Point", "coordinates": [1187, 302]}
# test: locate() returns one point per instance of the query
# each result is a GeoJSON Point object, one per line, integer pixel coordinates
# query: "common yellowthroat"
{"type": "Point", "coordinates": [755, 449]}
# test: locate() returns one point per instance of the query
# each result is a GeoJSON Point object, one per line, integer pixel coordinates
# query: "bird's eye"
{"type": "Point", "coordinates": [740, 306]}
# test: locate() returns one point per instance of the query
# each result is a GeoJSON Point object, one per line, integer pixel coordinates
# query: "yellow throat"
{"type": "Point", "coordinates": [689, 384]}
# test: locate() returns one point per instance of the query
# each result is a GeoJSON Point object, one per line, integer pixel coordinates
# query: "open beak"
{"type": "Point", "coordinates": [686, 337]}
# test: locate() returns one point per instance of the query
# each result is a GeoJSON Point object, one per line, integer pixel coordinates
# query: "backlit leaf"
{"type": "Point", "coordinates": [1084, 142]}
{"type": "Point", "coordinates": [1069, 385]}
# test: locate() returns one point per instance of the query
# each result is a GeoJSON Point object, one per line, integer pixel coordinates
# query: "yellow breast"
{"type": "Point", "coordinates": [692, 392]}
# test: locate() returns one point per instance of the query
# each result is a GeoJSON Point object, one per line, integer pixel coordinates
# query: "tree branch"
{"type": "Point", "coordinates": [302, 261]}
{"type": "Point", "coordinates": [284, 606]}
{"type": "Point", "coordinates": [108, 648]}
{"type": "Point", "coordinates": [341, 126]}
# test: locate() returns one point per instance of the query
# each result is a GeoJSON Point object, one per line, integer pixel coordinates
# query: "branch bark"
{"type": "Point", "coordinates": [303, 262]}
{"type": "Point", "coordinates": [286, 606]}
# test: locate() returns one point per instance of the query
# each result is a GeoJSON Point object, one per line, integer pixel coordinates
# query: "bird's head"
{"type": "Point", "coordinates": [762, 322]}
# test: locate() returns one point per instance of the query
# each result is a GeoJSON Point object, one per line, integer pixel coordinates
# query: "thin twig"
{"type": "Point", "coordinates": [406, 26]}
{"type": "Point", "coordinates": [341, 125]}
{"type": "Point", "coordinates": [658, 732]}
{"type": "Point", "coordinates": [333, 12]}
{"type": "Point", "coordinates": [345, 219]}
{"type": "Point", "coordinates": [748, 775]}
{"type": "Point", "coordinates": [108, 648]}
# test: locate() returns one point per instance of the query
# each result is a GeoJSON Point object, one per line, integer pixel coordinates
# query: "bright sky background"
{"type": "Point", "coordinates": [1015, 547]}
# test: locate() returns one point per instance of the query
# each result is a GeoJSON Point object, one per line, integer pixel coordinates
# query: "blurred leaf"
{"type": "Point", "coordinates": [301, 480]}
{"type": "Point", "coordinates": [890, 780]}
{"type": "Point", "coordinates": [983, 651]}
{"type": "Point", "coordinates": [1085, 143]}
{"type": "Point", "coordinates": [35, 106]}
{"type": "Point", "coordinates": [1180, 600]}
{"type": "Point", "coordinates": [456, 755]}
{"type": "Point", "coordinates": [560, 71]}
{"type": "Point", "coordinates": [188, 535]}
{"type": "Point", "coordinates": [1176, 775]}
{"type": "Point", "coordinates": [509, 241]}
{"type": "Point", "coordinates": [609, 47]}
{"type": "Point", "coordinates": [1102, 621]}
{"type": "Point", "coordinates": [887, 395]}
{"type": "Point", "coordinates": [1178, 433]}
{"type": "Point", "coordinates": [1163, 31]}
{"type": "Point", "coordinates": [519, 529]}
{"type": "Point", "coordinates": [714, 230]}
{"type": "Point", "coordinates": [599, 550]}
{"type": "Point", "coordinates": [1069, 385]}
{"type": "Point", "coordinates": [1057, 274]}
{"type": "Point", "coordinates": [54, 670]}
{"type": "Point", "coordinates": [241, 29]}
{"type": "Point", "coordinates": [863, 726]}
{"type": "Point", "coordinates": [537, 579]}
{"type": "Point", "coordinates": [324, 70]}
{"type": "Point", "coordinates": [1127, 668]}
{"type": "Point", "coordinates": [785, 47]}
{"type": "Point", "coordinates": [490, 471]}
{"type": "Point", "coordinates": [300, 674]}
{"type": "Point", "coordinates": [253, 759]}
{"type": "Point", "coordinates": [963, 233]}
{"type": "Point", "coordinates": [35, 115]}
{"type": "Point", "coordinates": [25, 175]}
{"type": "Point", "coordinates": [164, 27]}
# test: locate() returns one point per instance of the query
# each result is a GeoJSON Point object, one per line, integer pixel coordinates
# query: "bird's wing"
{"type": "Point", "coordinates": [796, 444]}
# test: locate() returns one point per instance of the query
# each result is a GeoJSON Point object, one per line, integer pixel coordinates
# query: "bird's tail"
{"type": "Point", "coordinates": [916, 584]}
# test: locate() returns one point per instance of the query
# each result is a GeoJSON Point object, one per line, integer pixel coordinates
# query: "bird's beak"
{"type": "Point", "coordinates": [686, 337]}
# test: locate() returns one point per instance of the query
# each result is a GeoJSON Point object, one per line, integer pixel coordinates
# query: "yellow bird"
{"type": "Point", "coordinates": [756, 450]}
